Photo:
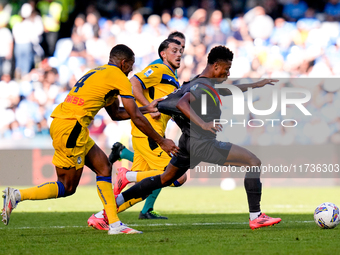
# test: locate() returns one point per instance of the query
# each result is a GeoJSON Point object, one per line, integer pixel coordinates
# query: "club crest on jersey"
{"type": "Point", "coordinates": [193, 88]}
{"type": "Point", "coordinates": [79, 160]}
{"type": "Point", "coordinates": [148, 72]}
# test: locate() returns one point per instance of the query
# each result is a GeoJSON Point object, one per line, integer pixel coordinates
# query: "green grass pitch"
{"type": "Point", "coordinates": [202, 220]}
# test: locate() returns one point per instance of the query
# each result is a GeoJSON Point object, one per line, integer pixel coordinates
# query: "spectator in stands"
{"type": "Point", "coordinates": [51, 14]}
{"type": "Point", "coordinates": [273, 8]}
{"type": "Point", "coordinates": [217, 29]}
{"type": "Point", "coordinates": [307, 47]}
{"type": "Point", "coordinates": [6, 47]}
{"type": "Point", "coordinates": [178, 21]}
{"type": "Point", "coordinates": [91, 27]}
{"type": "Point", "coordinates": [24, 40]}
{"type": "Point", "coordinates": [294, 10]}
{"type": "Point", "coordinates": [332, 10]}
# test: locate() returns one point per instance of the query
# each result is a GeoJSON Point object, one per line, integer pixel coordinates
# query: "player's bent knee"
{"type": "Point", "coordinates": [255, 161]}
{"type": "Point", "coordinates": [106, 170]}
{"type": "Point", "coordinates": [69, 190]}
{"type": "Point", "coordinates": [182, 179]}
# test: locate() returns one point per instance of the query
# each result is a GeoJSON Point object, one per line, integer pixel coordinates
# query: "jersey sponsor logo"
{"type": "Point", "coordinates": [148, 72]}
{"type": "Point", "coordinates": [74, 100]}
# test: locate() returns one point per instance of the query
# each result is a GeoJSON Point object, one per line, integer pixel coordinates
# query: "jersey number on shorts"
{"type": "Point", "coordinates": [80, 83]}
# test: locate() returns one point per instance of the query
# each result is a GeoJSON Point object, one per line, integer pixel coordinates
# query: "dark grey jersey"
{"type": "Point", "coordinates": [206, 106]}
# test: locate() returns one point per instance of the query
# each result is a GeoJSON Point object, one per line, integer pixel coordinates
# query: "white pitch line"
{"type": "Point", "coordinates": [161, 224]}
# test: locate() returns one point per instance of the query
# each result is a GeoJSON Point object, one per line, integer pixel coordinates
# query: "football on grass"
{"type": "Point", "coordinates": [326, 215]}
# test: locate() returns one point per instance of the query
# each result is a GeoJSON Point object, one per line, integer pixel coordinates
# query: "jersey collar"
{"type": "Point", "coordinates": [170, 69]}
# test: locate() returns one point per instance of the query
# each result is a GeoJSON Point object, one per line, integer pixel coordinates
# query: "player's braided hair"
{"type": "Point", "coordinates": [165, 44]}
{"type": "Point", "coordinates": [220, 53]}
{"type": "Point", "coordinates": [121, 51]}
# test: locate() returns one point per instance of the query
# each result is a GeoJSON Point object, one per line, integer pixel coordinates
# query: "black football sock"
{"type": "Point", "coordinates": [143, 188]}
{"type": "Point", "coordinates": [253, 188]}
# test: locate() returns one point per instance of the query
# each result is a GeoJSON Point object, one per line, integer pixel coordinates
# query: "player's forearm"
{"type": "Point", "coordinates": [117, 113]}
{"type": "Point", "coordinates": [140, 98]}
{"type": "Point", "coordinates": [244, 87]}
{"type": "Point", "coordinates": [138, 91]}
{"type": "Point", "coordinates": [145, 109]}
{"type": "Point", "coordinates": [184, 106]}
{"type": "Point", "coordinates": [121, 115]}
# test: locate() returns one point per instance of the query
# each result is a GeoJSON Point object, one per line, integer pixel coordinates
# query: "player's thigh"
{"type": "Point", "coordinates": [139, 163]}
{"type": "Point", "coordinates": [98, 162]}
{"type": "Point", "coordinates": [209, 150]}
{"type": "Point", "coordinates": [239, 156]}
{"type": "Point", "coordinates": [69, 178]}
{"type": "Point", "coordinates": [151, 153]}
{"type": "Point", "coordinates": [71, 143]}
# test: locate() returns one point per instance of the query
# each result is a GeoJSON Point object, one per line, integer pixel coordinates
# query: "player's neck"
{"type": "Point", "coordinates": [170, 66]}
{"type": "Point", "coordinates": [207, 73]}
{"type": "Point", "coordinates": [115, 63]}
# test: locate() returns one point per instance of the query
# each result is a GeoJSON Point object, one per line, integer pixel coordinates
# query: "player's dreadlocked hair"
{"type": "Point", "coordinates": [220, 53]}
{"type": "Point", "coordinates": [121, 51]}
{"type": "Point", "coordinates": [165, 44]}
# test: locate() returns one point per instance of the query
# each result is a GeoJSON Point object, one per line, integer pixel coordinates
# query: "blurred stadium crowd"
{"type": "Point", "coordinates": [46, 46]}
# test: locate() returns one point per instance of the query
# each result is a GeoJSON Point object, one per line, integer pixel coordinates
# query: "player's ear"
{"type": "Point", "coordinates": [123, 64]}
{"type": "Point", "coordinates": [163, 54]}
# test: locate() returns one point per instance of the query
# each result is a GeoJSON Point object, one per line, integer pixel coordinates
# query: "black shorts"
{"type": "Point", "coordinates": [193, 151]}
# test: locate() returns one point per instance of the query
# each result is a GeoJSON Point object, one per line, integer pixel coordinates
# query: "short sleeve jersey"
{"type": "Point", "coordinates": [160, 61]}
{"type": "Point", "coordinates": [197, 87]}
{"type": "Point", "coordinates": [157, 80]}
{"type": "Point", "coordinates": [98, 88]}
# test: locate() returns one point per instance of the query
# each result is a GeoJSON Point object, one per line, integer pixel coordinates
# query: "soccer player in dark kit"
{"type": "Point", "coordinates": [198, 141]}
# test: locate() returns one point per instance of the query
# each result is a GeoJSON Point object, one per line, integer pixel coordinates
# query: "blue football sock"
{"type": "Point", "coordinates": [126, 154]}
{"type": "Point", "coordinates": [150, 201]}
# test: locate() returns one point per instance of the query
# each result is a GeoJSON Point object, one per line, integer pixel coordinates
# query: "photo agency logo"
{"type": "Point", "coordinates": [281, 99]}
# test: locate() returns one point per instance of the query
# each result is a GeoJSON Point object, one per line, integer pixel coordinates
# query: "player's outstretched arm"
{"type": "Point", "coordinates": [143, 125]}
{"type": "Point", "coordinates": [138, 94]}
{"type": "Point", "coordinates": [184, 106]}
{"type": "Point", "coordinates": [244, 87]}
{"type": "Point", "coordinates": [119, 113]}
